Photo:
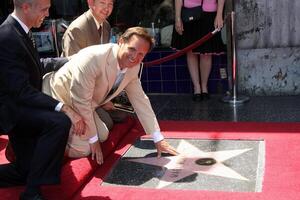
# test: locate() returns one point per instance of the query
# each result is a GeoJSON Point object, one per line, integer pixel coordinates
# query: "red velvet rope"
{"type": "Point", "coordinates": [182, 51]}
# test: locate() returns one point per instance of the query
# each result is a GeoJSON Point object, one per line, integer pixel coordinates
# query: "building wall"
{"type": "Point", "coordinates": [173, 77]}
{"type": "Point", "coordinates": [268, 46]}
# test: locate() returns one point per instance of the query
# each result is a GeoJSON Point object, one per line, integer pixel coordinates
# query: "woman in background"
{"type": "Point", "coordinates": [199, 60]}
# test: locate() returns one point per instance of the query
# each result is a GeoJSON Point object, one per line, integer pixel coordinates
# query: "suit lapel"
{"type": "Point", "coordinates": [111, 72]}
{"type": "Point", "coordinates": [93, 28]}
{"type": "Point", "coordinates": [31, 50]}
{"type": "Point", "coordinates": [111, 68]}
{"type": "Point", "coordinates": [26, 42]}
{"type": "Point", "coordinates": [106, 31]}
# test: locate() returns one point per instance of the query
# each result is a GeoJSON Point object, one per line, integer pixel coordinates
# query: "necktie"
{"type": "Point", "coordinates": [115, 86]}
{"type": "Point", "coordinates": [31, 38]}
{"type": "Point", "coordinates": [100, 34]}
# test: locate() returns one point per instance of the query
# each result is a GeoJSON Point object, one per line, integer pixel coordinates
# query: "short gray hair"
{"type": "Point", "coordinates": [18, 3]}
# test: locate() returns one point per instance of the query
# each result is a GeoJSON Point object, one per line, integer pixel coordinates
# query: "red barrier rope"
{"type": "Point", "coordinates": [183, 51]}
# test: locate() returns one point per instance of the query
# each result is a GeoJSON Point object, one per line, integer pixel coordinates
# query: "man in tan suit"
{"type": "Point", "coordinates": [85, 83]}
{"type": "Point", "coordinates": [91, 28]}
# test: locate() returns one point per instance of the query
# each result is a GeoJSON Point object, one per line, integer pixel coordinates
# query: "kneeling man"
{"type": "Point", "coordinates": [93, 77]}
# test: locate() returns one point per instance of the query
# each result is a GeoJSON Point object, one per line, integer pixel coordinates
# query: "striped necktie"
{"type": "Point", "coordinates": [31, 38]}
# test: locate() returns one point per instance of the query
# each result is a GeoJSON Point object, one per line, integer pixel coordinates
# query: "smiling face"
{"type": "Point", "coordinates": [101, 9]}
{"type": "Point", "coordinates": [35, 12]}
{"type": "Point", "coordinates": [132, 52]}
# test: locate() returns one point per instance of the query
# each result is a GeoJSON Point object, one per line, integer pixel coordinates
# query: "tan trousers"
{"type": "Point", "coordinates": [77, 147]}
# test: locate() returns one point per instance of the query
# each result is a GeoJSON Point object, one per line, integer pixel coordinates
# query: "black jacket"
{"type": "Point", "coordinates": [20, 75]}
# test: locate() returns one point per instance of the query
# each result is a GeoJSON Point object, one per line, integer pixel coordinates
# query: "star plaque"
{"type": "Point", "coordinates": [224, 165]}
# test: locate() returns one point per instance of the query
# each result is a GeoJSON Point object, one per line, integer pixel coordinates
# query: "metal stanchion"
{"type": "Point", "coordinates": [235, 98]}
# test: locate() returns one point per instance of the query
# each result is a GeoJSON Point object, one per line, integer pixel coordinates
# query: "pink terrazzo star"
{"type": "Point", "coordinates": [192, 160]}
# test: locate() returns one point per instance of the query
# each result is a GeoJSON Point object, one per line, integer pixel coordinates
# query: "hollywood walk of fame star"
{"type": "Point", "coordinates": [192, 160]}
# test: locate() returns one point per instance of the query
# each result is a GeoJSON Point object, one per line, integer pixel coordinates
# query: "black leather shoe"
{"type": "Point", "coordinates": [197, 97]}
{"type": "Point", "coordinates": [205, 96]}
{"type": "Point", "coordinates": [24, 196]}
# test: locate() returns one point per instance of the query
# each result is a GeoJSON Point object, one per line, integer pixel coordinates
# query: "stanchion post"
{"type": "Point", "coordinates": [234, 99]}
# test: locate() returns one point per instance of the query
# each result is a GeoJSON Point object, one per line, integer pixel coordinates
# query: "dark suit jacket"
{"type": "Point", "coordinates": [20, 75]}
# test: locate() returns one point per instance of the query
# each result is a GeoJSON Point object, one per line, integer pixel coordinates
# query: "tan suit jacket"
{"type": "Point", "coordinates": [85, 81]}
{"type": "Point", "coordinates": [82, 32]}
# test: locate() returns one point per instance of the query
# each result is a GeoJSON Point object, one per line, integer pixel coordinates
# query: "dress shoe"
{"type": "Point", "coordinates": [37, 196]}
{"type": "Point", "coordinates": [197, 97]}
{"type": "Point", "coordinates": [205, 96]}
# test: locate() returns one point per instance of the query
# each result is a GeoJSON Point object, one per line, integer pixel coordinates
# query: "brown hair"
{"type": "Point", "coordinates": [141, 32]}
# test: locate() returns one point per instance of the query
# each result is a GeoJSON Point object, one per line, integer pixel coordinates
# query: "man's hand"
{"type": "Point", "coordinates": [164, 147]}
{"type": "Point", "coordinates": [108, 106]}
{"type": "Point", "coordinates": [97, 152]}
{"type": "Point", "coordinates": [78, 125]}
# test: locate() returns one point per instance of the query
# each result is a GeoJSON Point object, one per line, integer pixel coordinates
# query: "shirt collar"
{"type": "Point", "coordinates": [25, 28]}
{"type": "Point", "coordinates": [121, 70]}
{"type": "Point", "coordinates": [98, 24]}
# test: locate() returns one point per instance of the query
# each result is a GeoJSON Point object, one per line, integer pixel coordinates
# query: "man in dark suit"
{"type": "Point", "coordinates": [37, 125]}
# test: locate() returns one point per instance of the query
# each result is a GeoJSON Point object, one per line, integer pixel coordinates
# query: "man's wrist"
{"type": "Point", "coordinates": [157, 136]}
{"type": "Point", "coordinates": [59, 106]}
{"type": "Point", "coordinates": [93, 139]}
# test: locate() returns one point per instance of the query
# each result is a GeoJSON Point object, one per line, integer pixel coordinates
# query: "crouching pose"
{"type": "Point", "coordinates": [93, 77]}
